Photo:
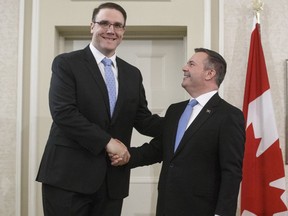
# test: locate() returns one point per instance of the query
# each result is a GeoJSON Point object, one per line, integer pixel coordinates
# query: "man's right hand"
{"type": "Point", "coordinates": [117, 150]}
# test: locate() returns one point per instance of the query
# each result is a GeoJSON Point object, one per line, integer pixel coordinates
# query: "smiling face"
{"type": "Point", "coordinates": [106, 40]}
{"type": "Point", "coordinates": [197, 79]}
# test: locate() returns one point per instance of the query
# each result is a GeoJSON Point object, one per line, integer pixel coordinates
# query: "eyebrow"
{"type": "Point", "coordinates": [191, 62]}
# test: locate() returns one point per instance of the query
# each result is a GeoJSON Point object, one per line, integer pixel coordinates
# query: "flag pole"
{"type": "Point", "coordinates": [257, 7]}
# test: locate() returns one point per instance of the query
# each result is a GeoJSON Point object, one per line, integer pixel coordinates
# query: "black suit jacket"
{"type": "Point", "coordinates": [75, 158]}
{"type": "Point", "coordinates": [202, 177]}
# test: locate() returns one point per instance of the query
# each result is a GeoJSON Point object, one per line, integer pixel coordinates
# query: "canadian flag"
{"type": "Point", "coordinates": [263, 186]}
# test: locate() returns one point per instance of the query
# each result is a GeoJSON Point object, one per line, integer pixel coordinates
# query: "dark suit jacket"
{"type": "Point", "coordinates": [75, 158]}
{"type": "Point", "coordinates": [202, 177]}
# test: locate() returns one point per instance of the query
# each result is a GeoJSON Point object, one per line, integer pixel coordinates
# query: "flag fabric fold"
{"type": "Point", "coordinates": [263, 185]}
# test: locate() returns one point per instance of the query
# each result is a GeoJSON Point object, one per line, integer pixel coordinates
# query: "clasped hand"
{"type": "Point", "coordinates": [118, 152]}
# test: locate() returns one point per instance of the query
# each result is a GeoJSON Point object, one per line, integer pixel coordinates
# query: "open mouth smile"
{"type": "Point", "coordinates": [110, 39]}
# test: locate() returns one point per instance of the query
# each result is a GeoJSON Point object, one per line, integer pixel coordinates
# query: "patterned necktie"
{"type": "Point", "coordinates": [182, 124]}
{"type": "Point", "coordinates": [110, 83]}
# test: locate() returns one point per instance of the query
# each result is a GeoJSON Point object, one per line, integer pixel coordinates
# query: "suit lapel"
{"type": "Point", "coordinates": [208, 110]}
{"type": "Point", "coordinates": [95, 71]}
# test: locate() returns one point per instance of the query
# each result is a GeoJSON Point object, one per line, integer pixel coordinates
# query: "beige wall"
{"type": "Point", "coordinates": [48, 14]}
{"type": "Point", "coordinates": [8, 99]}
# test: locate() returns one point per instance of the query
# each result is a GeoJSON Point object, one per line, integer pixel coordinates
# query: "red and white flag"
{"type": "Point", "coordinates": [263, 186]}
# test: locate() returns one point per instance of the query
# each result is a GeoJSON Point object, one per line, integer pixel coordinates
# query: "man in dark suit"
{"type": "Point", "coordinates": [76, 174]}
{"type": "Point", "coordinates": [201, 176]}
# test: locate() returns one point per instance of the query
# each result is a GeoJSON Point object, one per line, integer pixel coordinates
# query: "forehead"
{"type": "Point", "coordinates": [198, 57]}
{"type": "Point", "coordinates": [110, 14]}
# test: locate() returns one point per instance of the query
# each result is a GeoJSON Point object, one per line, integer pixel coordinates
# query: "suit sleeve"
{"type": "Point", "coordinates": [146, 123]}
{"type": "Point", "coordinates": [231, 151]}
{"type": "Point", "coordinates": [65, 111]}
{"type": "Point", "coordinates": [147, 154]}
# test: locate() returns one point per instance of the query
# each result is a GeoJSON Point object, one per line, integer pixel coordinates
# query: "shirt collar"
{"type": "Point", "coordinates": [204, 98]}
{"type": "Point", "coordinates": [99, 56]}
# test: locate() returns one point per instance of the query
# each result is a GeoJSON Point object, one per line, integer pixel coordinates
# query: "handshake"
{"type": "Point", "coordinates": [117, 152]}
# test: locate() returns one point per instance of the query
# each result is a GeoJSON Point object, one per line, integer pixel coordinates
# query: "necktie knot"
{"type": "Point", "coordinates": [107, 62]}
{"type": "Point", "coordinates": [193, 103]}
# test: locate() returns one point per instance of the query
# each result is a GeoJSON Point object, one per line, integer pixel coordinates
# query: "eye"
{"type": "Point", "coordinates": [118, 25]}
{"type": "Point", "coordinates": [190, 63]}
{"type": "Point", "coordinates": [104, 23]}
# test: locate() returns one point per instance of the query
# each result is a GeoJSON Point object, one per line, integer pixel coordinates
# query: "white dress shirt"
{"type": "Point", "coordinates": [202, 100]}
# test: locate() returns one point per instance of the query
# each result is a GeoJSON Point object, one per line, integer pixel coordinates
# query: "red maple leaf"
{"type": "Point", "coordinates": [257, 196]}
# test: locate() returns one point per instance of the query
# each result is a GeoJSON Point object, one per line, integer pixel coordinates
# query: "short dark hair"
{"type": "Point", "coordinates": [214, 61]}
{"type": "Point", "coordinates": [110, 5]}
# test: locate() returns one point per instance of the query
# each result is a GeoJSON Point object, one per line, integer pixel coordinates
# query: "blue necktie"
{"type": "Point", "coordinates": [182, 124]}
{"type": "Point", "coordinates": [110, 83]}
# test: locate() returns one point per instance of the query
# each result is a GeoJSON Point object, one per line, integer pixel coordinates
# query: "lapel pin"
{"type": "Point", "coordinates": [208, 111]}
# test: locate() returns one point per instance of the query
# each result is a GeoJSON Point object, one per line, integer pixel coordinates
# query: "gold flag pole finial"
{"type": "Point", "coordinates": [257, 7]}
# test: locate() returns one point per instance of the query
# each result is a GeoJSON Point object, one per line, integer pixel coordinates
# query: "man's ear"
{"type": "Point", "coordinates": [210, 74]}
{"type": "Point", "coordinates": [92, 24]}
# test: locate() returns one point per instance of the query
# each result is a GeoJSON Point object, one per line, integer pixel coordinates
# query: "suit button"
{"type": "Point", "coordinates": [171, 165]}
